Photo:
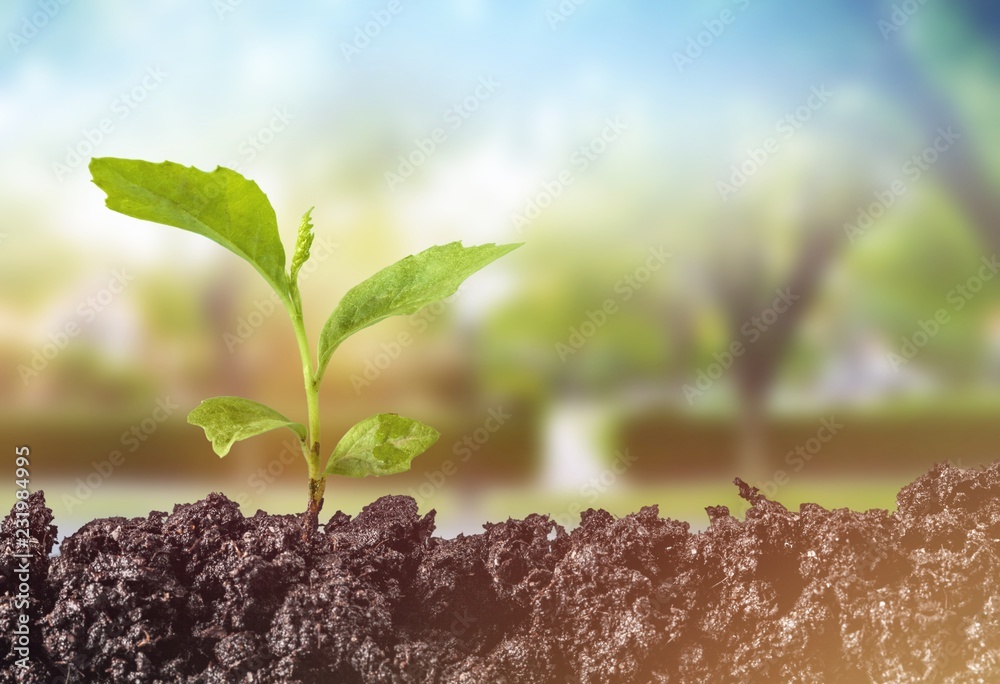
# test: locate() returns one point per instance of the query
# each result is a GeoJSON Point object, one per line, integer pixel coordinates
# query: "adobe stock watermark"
{"type": "Point", "coordinates": [874, 553]}
{"type": "Point", "coordinates": [263, 309]}
{"type": "Point", "coordinates": [463, 450]}
{"type": "Point", "coordinates": [900, 16]}
{"type": "Point", "coordinates": [958, 297]}
{"type": "Point", "coordinates": [625, 287]}
{"type": "Point", "coordinates": [911, 172]}
{"type": "Point", "coordinates": [786, 127]}
{"type": "Point", "coordinates": [592, 490]}
{"type": "Point", "coordinates": [20, 565]}
{"type": "Point", "coordinates": [291, 452]}
{"type": "Point", "coordinates": [698, 43]}
{"type": "Point", "coordinates": [86, 313]}
{"type": "Point", "coordinates": [78, 154]}
{"type": "Point", "coordinates": [255, 143]}
{"type": "Point", "coordinates": [131, 439]}
{"type": "Point", "coordinates": [797, 458]}
{"type": "Point", "coordinates": [460, 625]}
{"type": "Point", "coordinates": [377, 363]}
{"type": "Point", "coordinates": [259, 480]}
{"type": "Point", "coordinates": [223, 8]}
{"type": "Point", "coordinates": [34, 22]}
{"type": "Point", "coordinates": [452, 118]}
{"type": "Point", "coordinates": [365, 33]}
{"type": "Point", "coordinates": [944, 655]}
{"type": "Point", "coordinates": [581, 159]}
{"type": "Point", "coordinates": [562, 12]}
{"type": "Point", "coordinates": [751, 330]}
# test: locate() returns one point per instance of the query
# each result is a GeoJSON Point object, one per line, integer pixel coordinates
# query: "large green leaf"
{"type": "Point", "coordinates": [403, 288]}
{"type": "Point", "coordinates": [221, 205]}
{"type": "Point", "coordinates": [381, 445]}
{"type": "Point", "coordinates": [228, 419]}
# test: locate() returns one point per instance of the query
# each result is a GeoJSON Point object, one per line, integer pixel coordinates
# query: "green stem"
{"type": "Point", "coordinates": [310, 447]}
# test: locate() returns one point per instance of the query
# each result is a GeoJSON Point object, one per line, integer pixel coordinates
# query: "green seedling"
{"type": "Point", "coordinates": [234, 212]}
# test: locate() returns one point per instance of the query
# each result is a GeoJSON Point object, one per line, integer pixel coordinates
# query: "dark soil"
{"type": "Point", "coordinates": [205, 594]}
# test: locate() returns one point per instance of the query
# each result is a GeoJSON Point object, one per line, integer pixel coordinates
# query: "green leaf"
{"type": "Point", "coordinates": [221, 205]}
{"type": "Point", "coordinates": [381, 445]}
{"type": "Point", "coordinates": [404, 288]}
{"type": "Point", "coordinates": [228, 419]}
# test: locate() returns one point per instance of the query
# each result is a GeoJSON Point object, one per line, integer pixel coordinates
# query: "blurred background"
{"type": "Point", "coordinates": [761, 242]}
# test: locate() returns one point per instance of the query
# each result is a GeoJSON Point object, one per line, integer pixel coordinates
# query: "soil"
{"type": "Point", "coordinates": [205, 594]}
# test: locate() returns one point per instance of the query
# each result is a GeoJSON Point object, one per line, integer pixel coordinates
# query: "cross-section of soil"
{"type": "Point", "coordinates": [205, 594]}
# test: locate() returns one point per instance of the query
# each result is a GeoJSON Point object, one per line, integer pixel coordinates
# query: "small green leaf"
{"type": "Point", "coordinates": [221, 205]}
{"type": "Point", "coordinates": [228, 419]}
{"type": "Point", "coordinates": [303, 243]}
{"type": "Point", "coordinates": [404, 288]}
{"type": "Point", "coordinates": [381, 445]}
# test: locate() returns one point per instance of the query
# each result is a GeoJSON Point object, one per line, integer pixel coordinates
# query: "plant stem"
{"type": "Point", "coordinates": [310, 447]}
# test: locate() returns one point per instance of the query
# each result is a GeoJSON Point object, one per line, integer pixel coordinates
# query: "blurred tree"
{"type": "Point", "coordinates": [559, 346]}
{"type": "Point", "coordinates": [745, 272]}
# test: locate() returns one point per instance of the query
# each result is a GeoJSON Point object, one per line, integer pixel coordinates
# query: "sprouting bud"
{"type": "Point", "coordinates": [302, 244]}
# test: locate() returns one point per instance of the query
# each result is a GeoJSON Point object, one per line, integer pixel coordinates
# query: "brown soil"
{"type": "Point", "coordinates": [205, 594]}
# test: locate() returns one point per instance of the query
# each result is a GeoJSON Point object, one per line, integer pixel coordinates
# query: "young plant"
{"type": "Point", "coordinates": [231, 210]}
